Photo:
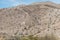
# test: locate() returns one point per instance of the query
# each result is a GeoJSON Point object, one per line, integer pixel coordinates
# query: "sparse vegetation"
{"type": "Point", "coordinates": [47, 37]}
{"type": "Point", "coordinates": [31, 37]}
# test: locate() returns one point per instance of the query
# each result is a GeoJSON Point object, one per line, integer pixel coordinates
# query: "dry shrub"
{"type": "Point", "coordinates": [31, 37]}
{"type": "Point", "coordinates": [47, 37]}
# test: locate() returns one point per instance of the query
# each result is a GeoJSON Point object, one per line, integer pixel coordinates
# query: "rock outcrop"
{"type": "Point", "coordinates": [36, 19]}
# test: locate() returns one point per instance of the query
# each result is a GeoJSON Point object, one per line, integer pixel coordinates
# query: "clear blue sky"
{"type": "Point", "coordinates": [10, 3]}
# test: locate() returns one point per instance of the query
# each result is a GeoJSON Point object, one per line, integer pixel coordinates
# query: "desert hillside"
{"type": "Point", "coordinates": [34, 19]}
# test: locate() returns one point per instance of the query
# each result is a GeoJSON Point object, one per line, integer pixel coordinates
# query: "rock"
{"type": "Point", "coordinates": [39, 19]}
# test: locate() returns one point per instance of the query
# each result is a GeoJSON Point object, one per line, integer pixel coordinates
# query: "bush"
{"type": "Point", "coordinates": [31, 37]}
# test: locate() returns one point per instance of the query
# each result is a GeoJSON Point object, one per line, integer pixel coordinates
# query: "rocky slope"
{"type": "Point", "coordinates": [35, 19]}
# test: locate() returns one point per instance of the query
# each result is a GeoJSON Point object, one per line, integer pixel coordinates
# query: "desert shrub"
{"type": "Point", "coordinates": [31, 37]}
{"type": "Point", "coordinates": [47, 37]}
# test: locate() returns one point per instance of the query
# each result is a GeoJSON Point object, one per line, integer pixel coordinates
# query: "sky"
{"type": "Point", "coordinates": [12, 3]}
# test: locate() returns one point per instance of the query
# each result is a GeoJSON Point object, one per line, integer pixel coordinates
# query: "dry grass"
{"type": "Point", "coordinates": [31, 37]}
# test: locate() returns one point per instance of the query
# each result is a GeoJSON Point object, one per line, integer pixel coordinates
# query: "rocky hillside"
{"type": "Point", "coordinates": [34, 19]}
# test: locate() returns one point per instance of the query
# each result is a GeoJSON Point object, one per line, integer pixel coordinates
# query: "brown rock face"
{"type": "Point", "coordinates": [36, 19]}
